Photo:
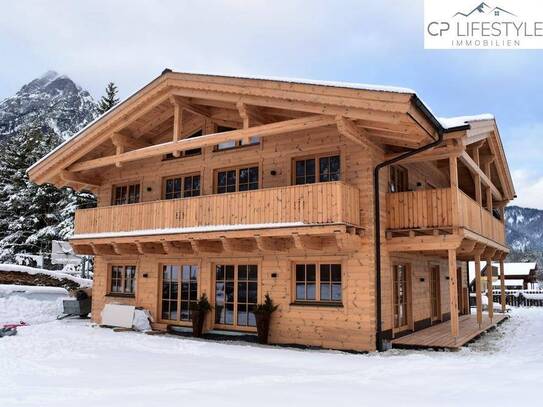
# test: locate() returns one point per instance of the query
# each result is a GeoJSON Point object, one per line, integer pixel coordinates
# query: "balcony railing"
{"type": "Point", "coordinates": [322, 203]}
{"type": "Point", "coordinates": [433, 209]}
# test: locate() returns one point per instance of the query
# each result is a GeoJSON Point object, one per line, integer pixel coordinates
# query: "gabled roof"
{"type": "Point", "coordinates": [343, 97]}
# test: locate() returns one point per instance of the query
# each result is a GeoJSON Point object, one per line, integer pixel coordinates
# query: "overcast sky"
{"type": "Point", "coordinates": [381, 42]}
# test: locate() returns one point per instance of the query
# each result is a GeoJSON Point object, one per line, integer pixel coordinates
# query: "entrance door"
{"type": "Point", "coordinates": [435, 294]}
{"type": "Point", "coordinates": [402, 297]}
{"type": "Point", "coordinates": [179, 291]}
{"type": "Point", "coordinates": [236, 295]}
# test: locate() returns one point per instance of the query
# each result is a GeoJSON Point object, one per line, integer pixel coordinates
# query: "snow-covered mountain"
{"type": "Point", "coordinates": [524, 230]}
{"type": "Point", "coordinates": [51, 102]}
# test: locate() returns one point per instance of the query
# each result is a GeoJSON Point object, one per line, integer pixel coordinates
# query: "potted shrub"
{"type": "Point", "coordinates": [199, 310]}
{"type": "Point", "coordinates": [263, 314]}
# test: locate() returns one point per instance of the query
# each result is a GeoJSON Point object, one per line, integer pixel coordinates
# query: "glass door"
{"type": "Point", "coordinates": [179, 290]}
{"type": "Point", "coordinates": [401, 297]}
{"type": "Point", "coordinates": [236, 295]}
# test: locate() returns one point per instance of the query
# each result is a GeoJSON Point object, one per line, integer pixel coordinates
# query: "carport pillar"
{"type": "Point", "coordinates": [489, 289]}
{"type": "Point", "coordinates": [478, 297]}
{"type": "Point", "coordinates": [453, 292]}
{"type": "Point", "coordinates": [502, 283]}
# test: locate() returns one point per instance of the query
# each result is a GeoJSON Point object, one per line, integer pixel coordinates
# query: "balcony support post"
{"type": "Point", "coordinates": [453, 170]}
{"type": "Point", "coordinates": [453, 293]}
{"type": "Point", "coordinates": [478, 296]}
{"type": "Point", "coordinates": [502, 282]}
{"type": "Point", "coordinates": [489, 255]}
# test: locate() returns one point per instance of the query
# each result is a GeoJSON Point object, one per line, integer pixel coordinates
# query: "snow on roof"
{"type": "Point", "coordinates": [450, 122]}
{"type": "Point", "coordinates": [509, 282]}
{"type": "Point", "coordinates": [54, 274]}
{"type": "Point", "coordinates": [6, 289]}
{"type": "Point", "coordinates": [195, 229]}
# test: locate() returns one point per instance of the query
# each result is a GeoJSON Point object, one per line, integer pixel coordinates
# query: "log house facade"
{"type": "Point", "coordinates": [238, 187]}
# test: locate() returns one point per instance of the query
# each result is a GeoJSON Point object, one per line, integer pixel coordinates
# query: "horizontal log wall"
{"type": "Point", "coordinates": [332, 202]}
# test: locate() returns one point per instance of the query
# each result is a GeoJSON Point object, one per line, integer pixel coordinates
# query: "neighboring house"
{"type": "Point", "coordinates": [238, 187]}
{"type": "Point", "coordinates": [518, 276]}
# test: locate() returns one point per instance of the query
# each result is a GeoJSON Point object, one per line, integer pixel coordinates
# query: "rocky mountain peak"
{"type": "Point", "coordinates": [52, 101]}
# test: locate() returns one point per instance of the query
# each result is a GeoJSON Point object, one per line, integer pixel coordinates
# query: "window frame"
{"type": "Point", "coordinates": [394, 171]}
{"type": "Point", "coordinates": [237, 169]}
{"type": "Point", "coordinates": [237, 262]}
{"type": "Point", "coordinates": [237, 143]}
{"type": "Point", "coordinates": [127, 185]}
{"type": "Point", "coordinates": [122, 280]}
{"type": "Point", "coordinates": [318, 282]}
{"type": "Point", "coordinates": [317, 157]}
{"type": "Point", "coordinates": [186, 262]}
{"type": "Point", "coordinates": [182, 177]}
{"type": "Point", "coordinates": [183, 154]}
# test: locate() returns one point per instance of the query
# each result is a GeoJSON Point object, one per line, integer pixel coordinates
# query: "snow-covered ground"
{"type": "Point", "coordinates": [72, 363]}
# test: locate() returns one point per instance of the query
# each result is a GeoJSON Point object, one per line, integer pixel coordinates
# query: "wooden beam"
{"type": "Point", "coordinates": [130, 142]}
{"type": "Point", "coordinates": [489, 287]}
{"type": "Point", "coordinates": [423, 243]}
{"type": "Point", "coordinates": [455, 199]}
{"type": "Point", "coordinates": [478, 299]}
{"type": "Point", "coordinates": [307, 242]}
{"type": "Point", "coordinates": [192, 108]}
{"type": "Point", "coordinates": [453, 293]}
{"type": "Point", "coordinates": [266, 130]}
{"type": "Point", "coordinates": [435, 154]}
{"type": "Point", "coordinates": [351, 131]}
{"type": "Point", "coordinates": [502, 285]}
{"type": "Point", "coordinates": [68, 176]}
{"type": "Point", "coordinates": [474, 168]}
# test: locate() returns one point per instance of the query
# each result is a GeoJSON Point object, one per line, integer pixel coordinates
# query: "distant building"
{"type": "Point", "coordinates": [518, 276]}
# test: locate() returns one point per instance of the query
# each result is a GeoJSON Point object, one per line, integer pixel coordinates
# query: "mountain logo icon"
{"type": "Point", "coordinates": [485, 9]}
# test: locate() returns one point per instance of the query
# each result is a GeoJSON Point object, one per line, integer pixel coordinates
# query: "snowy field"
{"type": "Point", "coordinates": [72, 363]}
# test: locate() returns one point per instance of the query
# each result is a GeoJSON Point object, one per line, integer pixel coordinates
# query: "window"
{"type": "Point", "coordinates": [306, 170]}
{"type": "Point", "coordinates": [126, 194]}
{"type": "Point", "coordinates": [232, 143]}
{"type": "Point", "coordinates": [187, 153]}
{"type": "Point", "coordinates": [238, 179]}
{"type": "Point", "coordinates": [236, 294]}
{"type": "Point", "coordinates": [123, 280]}
{"type": "Point", "coordinates": [182, 187]}
{"type": "Point", "coordinates": [318, 282]}
{"type": "Point", "coordinates": [401, 296]}
{"type": "Point", "coordinates": [179, 291]}
{"type": "Point", "coordinates": [399, 181]}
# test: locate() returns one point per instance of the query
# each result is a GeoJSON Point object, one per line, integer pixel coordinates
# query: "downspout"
{"type": "Point", "coordinates": [377, 207]}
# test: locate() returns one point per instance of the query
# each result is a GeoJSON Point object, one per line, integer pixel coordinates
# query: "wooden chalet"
{"type": "Point", "coordinates": [238, 187]}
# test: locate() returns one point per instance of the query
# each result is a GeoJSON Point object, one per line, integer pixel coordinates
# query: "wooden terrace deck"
{"type": "Point", "coordinates": [439, 336]}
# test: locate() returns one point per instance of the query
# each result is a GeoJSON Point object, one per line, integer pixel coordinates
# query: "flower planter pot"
{"type": "Point", "coordinates": [198, 319]}
{"type": "Point", "coordinates": [263, 327]}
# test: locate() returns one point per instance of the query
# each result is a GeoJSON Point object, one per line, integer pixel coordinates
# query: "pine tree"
{"type": "Point", "coordinates": [31, 215]}
{"type": "Point", "coordinates": [109, 100]}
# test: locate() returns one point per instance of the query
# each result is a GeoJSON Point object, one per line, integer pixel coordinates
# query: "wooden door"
{"type": "Point", "coordinates": [435, 294]}
{"type": "Point", "coordinates": [402, 297]}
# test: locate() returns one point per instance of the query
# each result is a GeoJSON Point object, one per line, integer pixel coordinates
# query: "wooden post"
{"type": "Point", "coordinates": [478, 296]}
{"type": "Point", "coordinates": [477, 178]}
{"type": "Point", "coordinates": [453, 292]}
{"type": "Point", "coordinates": [489, 291]}
{"type": "Point", "coordinates": [502, 283]}
{"type": "Point", "coordinates": [453, 170]}
{"type": "Point", "coordinates": [488, 189]}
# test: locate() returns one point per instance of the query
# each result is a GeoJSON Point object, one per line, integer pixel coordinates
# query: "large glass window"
{"type": "Point", "coordinates": [238, 179]}
{"type": "Point", "coordinates": [320, 282]}
{"type": "Point", "coordinates": [125, 194]}
{"type": "Point", "coordinates": [236, 294]}
{"type": "Point", "coordinates": [399, 180]}
{"type": "Point", "coordinates": [179, 291]}
{"type": "Point", "coordinates": [123, 279]}
{"type": "Point", "coordinates": [182, 187]}
{"type": "Point", "coordinates": [306, 170]}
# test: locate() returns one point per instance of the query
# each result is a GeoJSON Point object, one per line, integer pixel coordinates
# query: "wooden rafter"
{"type": "Point", "coordinates": [190, 107]}
{"type": "Point", "coordinates": [70, 177]}
{"type": "Point", "coordinates": [265, 130]}
{"type": "Point", "coordinates": [351, 131]}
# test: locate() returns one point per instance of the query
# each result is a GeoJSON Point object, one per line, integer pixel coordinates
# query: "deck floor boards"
{"type": "Point", "coordinates": [439, 336]}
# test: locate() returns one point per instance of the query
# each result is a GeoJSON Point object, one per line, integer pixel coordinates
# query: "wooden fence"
{"type": "Point", "coordinates": [516, 298]}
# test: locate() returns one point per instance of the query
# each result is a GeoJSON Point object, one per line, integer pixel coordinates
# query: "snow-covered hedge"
{"type": "Point", "coordinates": [84, 283]}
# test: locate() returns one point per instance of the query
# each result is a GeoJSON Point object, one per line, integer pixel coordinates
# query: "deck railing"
{"type": "Point", "coordinates": [322, 203]}
{"type": "Point", "coordinates": [433, 208]}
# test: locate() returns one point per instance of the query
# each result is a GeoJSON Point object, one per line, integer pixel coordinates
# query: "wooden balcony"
{"type": "Point", "coordinates": [433, 209]}
{"type": "Point", "coordinates": [313, 204]}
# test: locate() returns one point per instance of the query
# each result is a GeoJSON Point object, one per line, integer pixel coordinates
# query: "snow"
{"type": "Point", "coordinates": [55, 274]}
{"type": "Point", "coordinates": [75, 363]}
{"type": "Point", "coordinates": [16, 308]}
{"type": "Point", "coordinates": [8, 289]}
{"type": "Point", "coordinates": [450, 122]}
{"type": "Point", "coordinates": [510, 269]}
{"type": "Point", "coordinates": [195, 229]}
{"type": "Point", "coordinates": [509, 282]}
